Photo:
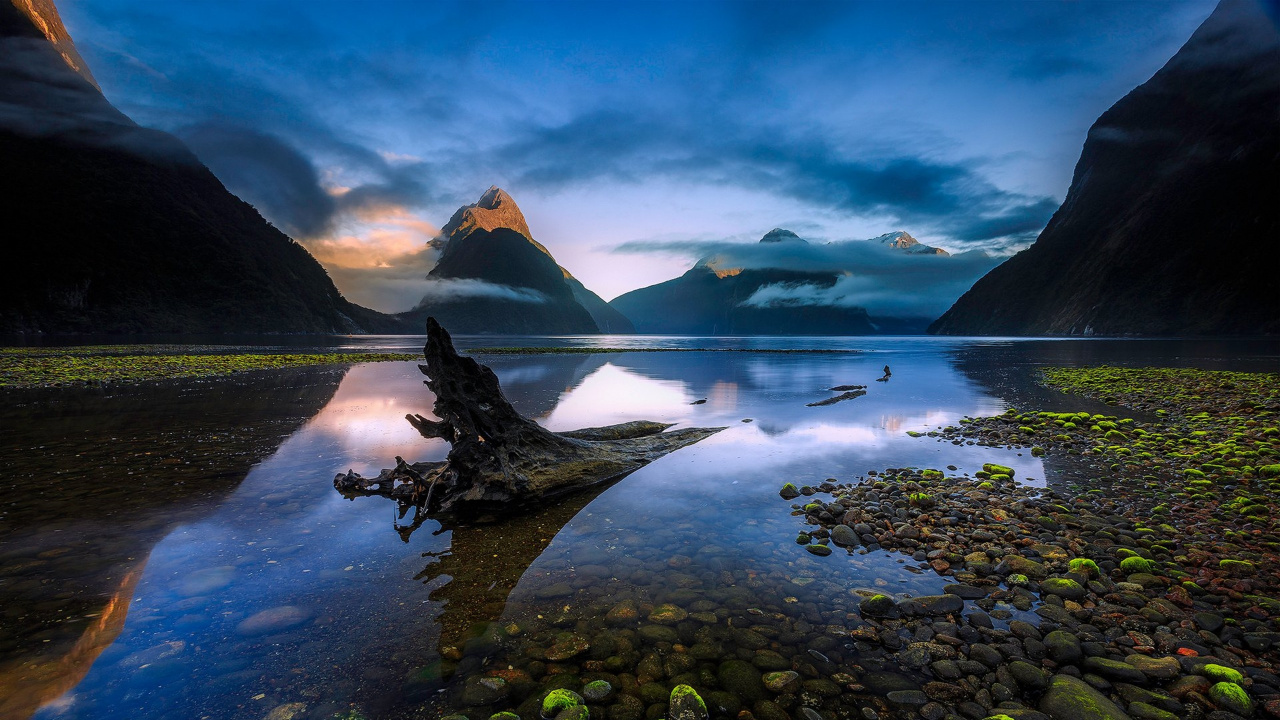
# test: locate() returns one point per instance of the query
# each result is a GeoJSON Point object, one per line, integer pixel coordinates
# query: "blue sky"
{"type": "Point", "coordinates": [359, 127]}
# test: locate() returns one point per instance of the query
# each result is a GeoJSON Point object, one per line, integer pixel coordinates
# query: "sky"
{"type": "Point", "coordinates": [630, 134]}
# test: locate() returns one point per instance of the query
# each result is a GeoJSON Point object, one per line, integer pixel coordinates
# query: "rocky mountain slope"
{"type": "Point", "coordinates": [1171, 225]}
{"type": "Point", "coordinates": [116, 228]}
{"type": "Point", "coordinates": [493, 277]}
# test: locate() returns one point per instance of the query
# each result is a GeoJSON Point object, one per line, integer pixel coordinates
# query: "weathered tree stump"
{"type": "Point", "coordinates": [498, 456]}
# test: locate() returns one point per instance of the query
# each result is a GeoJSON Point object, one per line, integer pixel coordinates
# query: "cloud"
{"type": "Point", "coordinates": [266, 172]}
{"type": "Point", "coordinates": [887, 282]}
{"type": "Point", "coordinates": [380, 257]}
{"type": "Point", "coordinates": [453, 289]}
{"type": "Point", "coordinates": [41, 96]}
{"type": "Point", "coordinates": [949, 198]}
{"type": "Point", "coordinates": [284, 184]}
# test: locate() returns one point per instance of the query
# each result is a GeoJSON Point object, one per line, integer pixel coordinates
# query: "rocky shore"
{"type": "Point", "coordinates": [1146, 593]}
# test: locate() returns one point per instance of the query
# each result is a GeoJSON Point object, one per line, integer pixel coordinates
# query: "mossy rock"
{"type": "Point", "coordinates": [1064, 588]}
{"type": "Point", "coordinates": [1137, 564]}
{"type": "Point", "coordinates": [1232, 698]}
{"type": "Point", "coordinates": [1221, 673]}
{"type": "Point", "coordinates": [993, 469]}
{"type": "Point", "coordinates": [742, 679]}
{"type": "Point", "coordinates": [1237, 567]}
{"type": "Point", "coordinates": [1070, 697]}
{"type": "Point", "coordinates": [559, 700]}
{"type": "Point", "coordinates": [684, 703]}
{"type": "Point", "coordinates": [1084, 566]}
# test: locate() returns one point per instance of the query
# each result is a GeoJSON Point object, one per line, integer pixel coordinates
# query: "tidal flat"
{"type": "Point", "coordinates": [177, 550]}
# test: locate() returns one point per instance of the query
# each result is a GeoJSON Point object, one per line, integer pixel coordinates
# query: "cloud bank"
{"type": "Point", "coordinates": [453, 289]}
{"type": "Point", "coordinates": [885, 281]}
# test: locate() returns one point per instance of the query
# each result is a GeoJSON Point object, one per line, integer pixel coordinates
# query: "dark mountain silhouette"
{"type": "Point", "coordinates": [1172, 222]}
{"type": "Point", "coordinates": [111, 227]}
{"type": "Point", "coordinates": [493, 277]}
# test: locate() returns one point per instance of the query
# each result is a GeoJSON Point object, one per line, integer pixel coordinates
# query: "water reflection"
{"type": "Point", "coordinates": [271, 591]}
{"type": "Point", "coordinates": [99, 477]}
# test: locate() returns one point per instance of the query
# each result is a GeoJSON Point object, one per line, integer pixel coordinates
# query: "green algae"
{"type": "Point", "coordinates": [125, 364]}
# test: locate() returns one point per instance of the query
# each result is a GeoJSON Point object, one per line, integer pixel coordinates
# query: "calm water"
{"type": "Point", "coordinates": [179, 551]}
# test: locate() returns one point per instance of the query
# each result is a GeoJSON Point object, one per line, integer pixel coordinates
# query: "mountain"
{"type": "Point", "coordinates": [493, 277]}
{"type": "Point", "coordinates": [712, 299]}
{"type": "Point", "coordinates": [111, 227]}
{"type": "Point", "coordinates": [902, 241]}
{"type": "Point", "coordinates": [1171, 225]}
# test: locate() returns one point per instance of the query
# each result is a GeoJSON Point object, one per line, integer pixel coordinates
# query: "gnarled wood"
{"type": "Point", "coordinates": [498, 456]}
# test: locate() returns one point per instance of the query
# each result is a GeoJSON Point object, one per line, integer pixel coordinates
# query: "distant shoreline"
{"type": "Point", "coordinates": [601, 350]}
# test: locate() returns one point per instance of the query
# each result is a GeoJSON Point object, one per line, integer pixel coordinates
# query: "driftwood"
{"type": "Point", "coordinates": [498, 456]}
{"type": "Point", "coordinates": [838, 398]}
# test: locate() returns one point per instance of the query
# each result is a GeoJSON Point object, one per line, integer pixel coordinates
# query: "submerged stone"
{"type": "Point", "coordinates": [1070, 698]}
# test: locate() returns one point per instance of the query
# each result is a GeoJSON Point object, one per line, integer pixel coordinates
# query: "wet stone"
{"type": "Point", "coordinates": [668, 614]}
{"type": "Point", "coordinates": [659, 633]}
{"type": "Point", "coordinates": [908, 698]}
{"type": "Point", "coordinates": [966, 592]}
{"type": "Point", "coordinates": [781, 682]}
{"type": "Point", "coordinates": [1114, 670]}
{"type": "Point", "coordinates": [274, 620]}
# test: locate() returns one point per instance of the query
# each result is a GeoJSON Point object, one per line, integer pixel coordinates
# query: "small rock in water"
{"type": "Point", "coordinates": [686, 704]}
{"type": "Point", "coordinates": [276, 619]}
{"type": "Point", "coordinates": [287, 711]}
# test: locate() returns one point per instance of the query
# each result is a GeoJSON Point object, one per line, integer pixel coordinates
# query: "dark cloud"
{"type": "Point", "coordinates": [885, 281]}
{"type": "Point", "coordinates": [952, 199]}
{"type": "Point", "coordinates": [268, 173]}
{"type": "Point", "coordinates": [41, 96]}
{"type": "Point", "coordinates": [284, 184]}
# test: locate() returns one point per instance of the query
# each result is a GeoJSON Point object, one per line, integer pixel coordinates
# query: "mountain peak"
{"type": "Point", "coordinates": [778, 235]}
{"type": "Point", "coordinates": [44, 19]}
{"type": "Point", "coordinates": [495, 209]}
{"type": "Point", "coordinates": [494, 198]}
{"type": "Point", "coordinates": [902, 240]}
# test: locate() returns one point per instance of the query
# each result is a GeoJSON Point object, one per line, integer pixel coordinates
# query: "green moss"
{"type": "Point", "coordinates": [932, 474]}
{"type": "Point", "coordinates": [1136, 564]}
{"type": "Point", "coordinates": [1237, 567]}
{"type": "Point", "coordinates": [682, 691]}
{"type": "Point", "coordinates": [993, 469]}
{"type": "Point", "coordinates": [1230, 696]}
{"type": "Point", "coordinates": [984, 485]}
{"type": "Point", "coordinates": [1222, 673]}
{"type": "Point", "coordinates": [504, 715]}
{"type": "Point", "coordinates": [95, 365]}
{"type": "Point", "coordinates": [813, 507]}
{"type": "Point", "coordinates": [923, 500]}
{"type": "Point", "coordinates": [1084, 566]}
{"type": "Point", "coordinates": [559, 700]}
